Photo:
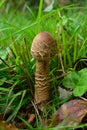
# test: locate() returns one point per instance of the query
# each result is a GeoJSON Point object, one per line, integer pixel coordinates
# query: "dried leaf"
{"type": "Point", "coordinates": [5, 126]}
{"type": "Point", "coordinates": [64, 93]}
{"type": "Point", "coordinates": [71, 113]}
{"type": "Point", "coordinates": [31, 118]}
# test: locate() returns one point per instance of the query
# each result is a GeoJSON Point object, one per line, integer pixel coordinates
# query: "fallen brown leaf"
{"type": "Point", "coordinates": [70, 113]}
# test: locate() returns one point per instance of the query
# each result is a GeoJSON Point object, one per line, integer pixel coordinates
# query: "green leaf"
{"type": "Point", "coordinates": [70, 80]}
{"type": "Point", "coordinates": [81, 86]}
{"type": "Point", "coordinates": [79, 90]}
{"type": "Point", "coordinates": [77, 81]}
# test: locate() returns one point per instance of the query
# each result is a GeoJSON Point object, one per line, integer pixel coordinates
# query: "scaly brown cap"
{"type": "Point", "coordinates": [43, 46]}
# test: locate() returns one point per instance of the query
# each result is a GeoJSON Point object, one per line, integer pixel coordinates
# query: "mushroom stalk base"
{"type": "Point", "coordinates": [42, 84]}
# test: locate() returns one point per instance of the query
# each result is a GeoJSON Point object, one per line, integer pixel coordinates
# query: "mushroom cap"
{"type": "Point", "coordinates": [43, 46]}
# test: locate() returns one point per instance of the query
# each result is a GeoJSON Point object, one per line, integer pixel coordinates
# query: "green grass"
{"type": "Point", "coordinates": [67, 25]}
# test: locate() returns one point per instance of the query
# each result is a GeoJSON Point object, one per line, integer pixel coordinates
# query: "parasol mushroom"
{"type": "Point", "coordinates": [42, 49]}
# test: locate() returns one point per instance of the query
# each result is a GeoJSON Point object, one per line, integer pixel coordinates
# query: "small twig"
{"type": "Point", "coordinates": [7, 68]}
{"type": "Point", "coordinates": [61, 61]}
{"type": "Point", "coordinates": [83, 99]}
{"type": "Point", "coordinates": [58, 77]}
{"type": "Point", "coordinates": [8, 82]}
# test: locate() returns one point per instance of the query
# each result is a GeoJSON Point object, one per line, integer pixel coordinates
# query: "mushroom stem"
{"type": "Point", "coordinates": [42, 49]}
{"type": "Point", "coordinates": [42, 84]}
{"type": "Point", "coordinates": [42, 67]}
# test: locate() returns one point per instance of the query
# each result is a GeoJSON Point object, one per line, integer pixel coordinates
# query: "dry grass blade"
{"type": "Point", "coordinates": [10, 67]}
